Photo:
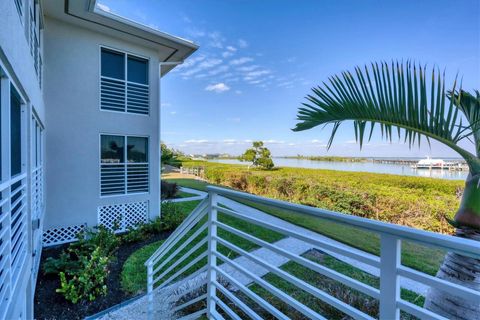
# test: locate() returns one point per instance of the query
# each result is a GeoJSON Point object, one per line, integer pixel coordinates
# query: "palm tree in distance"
{"type": "Point", "coordinates": [400, 100]}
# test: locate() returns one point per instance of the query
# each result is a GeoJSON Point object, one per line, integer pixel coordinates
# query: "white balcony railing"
{"type": "Point", "coordinates": [197, 271]}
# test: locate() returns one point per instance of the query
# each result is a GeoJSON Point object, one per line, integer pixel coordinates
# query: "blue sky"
{"type": "Point", "coordinates": [258, 59]}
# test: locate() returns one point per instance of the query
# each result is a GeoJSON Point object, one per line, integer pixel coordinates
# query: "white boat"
{"type": "Point", "coordinates": [430, 163]}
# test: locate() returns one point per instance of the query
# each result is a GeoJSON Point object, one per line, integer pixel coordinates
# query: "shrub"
{"type": "Point", "coordinates": [89, 281]}
{"type": "Point", "coordinates": [168, 190]}
{"type": "Point", "coordinates": [412, 201]}
{"type": "Point", "coordinates": [83, 267]}
{"type": "Point", "coordinates": [172, 216]}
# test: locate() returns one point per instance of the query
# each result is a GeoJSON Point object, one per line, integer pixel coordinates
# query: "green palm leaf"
{"type": "Point", "coordinates": [398, 99]}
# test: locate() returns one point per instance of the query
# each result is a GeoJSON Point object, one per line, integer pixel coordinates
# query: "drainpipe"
{"type": "Point", "coordinates": [160, 65]}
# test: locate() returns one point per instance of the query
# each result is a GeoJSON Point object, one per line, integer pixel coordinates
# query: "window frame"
{"type": "Point", "coordinates": [15, 192]}
{"type": "Point", "coordinates": [125, 137]}
{"type": "Point", "coordinates": [126, 53]}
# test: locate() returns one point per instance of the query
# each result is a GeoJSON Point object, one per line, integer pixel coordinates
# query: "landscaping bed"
{"type": "Point", "coordinates": [51, 305]}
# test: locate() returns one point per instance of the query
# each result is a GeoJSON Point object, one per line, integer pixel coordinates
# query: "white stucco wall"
{"type": "Point", "coordinates": [16, 58]}
{"type": "Point", "coordinates": [75, 122]}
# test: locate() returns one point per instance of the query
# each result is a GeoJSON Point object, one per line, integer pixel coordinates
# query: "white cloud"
{"type": "Point", "coordinates": [218, 87]}
{"type": "Point", "coordinates": [258, 73]}
{"type": "Point", "coordinates": [273, 141]}
{"type": "Point", "coordinates": [173, 112]}
{"type": "Point", "coordinates": [207, 64]}
{"type": "Point", "coordinates": [231, 49]}
{"type": "Point", "coordinates": [104, 7]}
{"type": "Point", "coordinates": [190, 62]}
{"type": "Point", "coordinates": [242, 43]}
{"type": "Point", "coordinates": [218, 70]}
{"type": "Point", "coordinates": [351, 141]}
{"type": "Point", "coordinates": [316, 141]}
{"type": "Point", "coordinates": [165, 104]}
{"type": "Point", "coordinates": [248, 68]}
{"type": "Point", "coordinates": [216, 39]}
{"type": "Point", "coordinates": [227, 54]}
{"type": "Point", "coordinates": [195, 141]}
{"type": "Point", "coordinates": [240, 61]}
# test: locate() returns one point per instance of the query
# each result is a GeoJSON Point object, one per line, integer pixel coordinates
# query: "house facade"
{"type": "Point", "coordinates": [80, 130]}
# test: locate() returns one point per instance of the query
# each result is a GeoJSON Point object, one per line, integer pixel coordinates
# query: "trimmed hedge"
{"type": "Point", "coordinates": [412, 201]}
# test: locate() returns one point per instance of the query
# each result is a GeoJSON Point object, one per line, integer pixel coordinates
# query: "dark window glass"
{"type": "Point", "coordinates": [112, 149]}
{"type": "Point", "coordinates": [137, 149]}
{"type": "Point", "coordinates": [113, 64]}
{"type": "Point", "coordinates": [15, 132]}
{"type": "Point", "coordinates": [137, 69]}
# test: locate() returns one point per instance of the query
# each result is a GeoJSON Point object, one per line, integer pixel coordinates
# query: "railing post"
{"type": "Point", "coordinates": [150, 290]}
{"type": "Point", "coordinates": [390, 260]}
{"type": "Point", "coordinates": [212, 259]}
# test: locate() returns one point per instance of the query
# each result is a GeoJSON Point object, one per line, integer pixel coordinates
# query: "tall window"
{"type": "Point", "coordinates": [15, 132]}
{"type": "Point", "coordinates": [123, 165]}
{"type": "Point", "coordinates": [19, 5]}
{"type": "Point", "coordinates": [124, 82]}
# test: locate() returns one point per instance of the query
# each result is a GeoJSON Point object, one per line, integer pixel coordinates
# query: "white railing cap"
{"type": "Point", "coordinates": [460, 245]}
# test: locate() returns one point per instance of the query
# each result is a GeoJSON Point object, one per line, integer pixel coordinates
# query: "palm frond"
{"type": "Point", "coordinates": [395, 96]}
{"type": "Point", "coordinates": [470, 106]}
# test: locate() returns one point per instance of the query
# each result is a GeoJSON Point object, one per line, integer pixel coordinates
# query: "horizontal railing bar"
{"type": "Point", "coordinates": [252, 314]}
{"type": "Point", "coordinates": [189, 303]}
{"type": "Point", "coordinates": [418, 311]}
{"type": "Point", "coordinates": [182, 270]}
{"type": "Point", "coordinates": [18, 178]}
{"type": "Point", "coordinates": [185, 256]}
{"type": "Point", "coordinates": [168, 245]}
{"type": "Point", "coordinates": [365, 257]}
{"type": "Point", "coordinates": [194, 315]}
{"type": "Point", "coordinates": [450, 287]}
{"type": "Point", "coordinates": [183, 245]}
{"type": "Point", "coordinates": [193, 218]}
{"type": "Point", "coordinates": [272, 289]}
{"type": "Point", "coordinates": [465, 246]}
{"type": "Point", "coordinates": [355, 284]}
{"type": "Point", "coordinates": [226, 309]}
{"type": "Point", "coordinates": [321, 295]}
{"type": "Point", "coordinates": [252, 295]}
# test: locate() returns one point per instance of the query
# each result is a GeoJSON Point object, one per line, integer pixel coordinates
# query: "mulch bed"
{"type": "Point", "coordinates": [51, 305]}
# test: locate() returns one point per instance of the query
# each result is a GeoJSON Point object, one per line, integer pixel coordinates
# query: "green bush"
{"type": "Point", "coordinates": [412, 201]}
{"type": "Point", "coordinates": [83, 267]}
{"type": "Point", "coordinates": [172, 215]}
{"type": "Point", "coordinates": [89, 281]}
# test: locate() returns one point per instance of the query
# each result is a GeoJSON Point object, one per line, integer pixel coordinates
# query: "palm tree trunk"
{"type": "Point", "coordinates": [460, 269]}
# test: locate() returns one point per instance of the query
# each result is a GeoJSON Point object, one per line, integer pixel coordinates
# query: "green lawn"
{"type": "Point", "coordinates": [342, 292]}
{"type": "Point", "coordinates": [134, 272]}
{"type": "Point", "coordinates": [419, 257]}
{"type": "Point", "coordinates": [182, 194]}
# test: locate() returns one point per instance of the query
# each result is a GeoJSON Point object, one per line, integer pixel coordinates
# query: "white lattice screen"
{"type": "Point", "coordinates": [54, 236]}
{"type": "Point", "coordinates": [123, 215]}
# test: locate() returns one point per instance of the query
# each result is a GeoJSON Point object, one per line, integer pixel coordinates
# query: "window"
{"type": "Point", "coordinates": [124, 82]}
{"type": "Point", "coordinates": [19, 5]}
{"type": "Point", "coordinates": [35, 44]}
{"type": "Point", "coordinates": [123, 165]}
{"type": "Point", "coordinates": [15, 132]}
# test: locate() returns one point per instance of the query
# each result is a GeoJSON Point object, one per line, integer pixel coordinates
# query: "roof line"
{"type": "Point", "coordinates": [94, 9]}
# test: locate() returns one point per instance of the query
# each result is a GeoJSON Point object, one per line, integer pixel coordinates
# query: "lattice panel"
{"type": "Point", "coordinates": [135, 213]}
{"type": "Point", "coordinates": [109, 216]}
{"type": "Point", "coordinates": [124, 215]}
{"type": "Point", "coordinates": [61, 235]}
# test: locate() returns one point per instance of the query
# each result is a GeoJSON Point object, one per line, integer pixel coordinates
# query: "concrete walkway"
{"type": "Point", "coordinates": [293, 245]}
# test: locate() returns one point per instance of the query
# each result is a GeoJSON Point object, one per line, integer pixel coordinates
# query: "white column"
{"type": "Point", "coordinates": [212, 259]}
{"type": "Point", "coordinates": [390, 260]}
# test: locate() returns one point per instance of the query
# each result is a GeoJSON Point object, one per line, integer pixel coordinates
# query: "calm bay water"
{"type": "Point", "coordinates": [368, 166]}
